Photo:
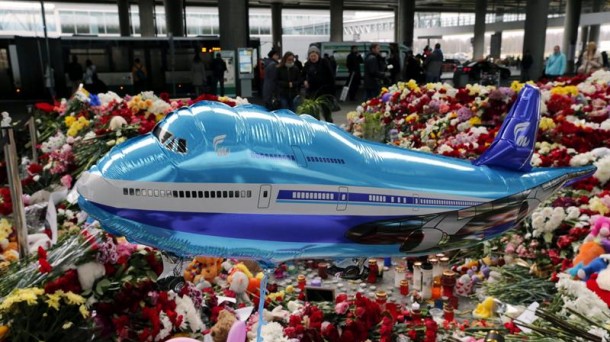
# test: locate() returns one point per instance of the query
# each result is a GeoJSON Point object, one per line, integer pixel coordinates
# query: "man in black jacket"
{"type": "Point", "coordinates": [354, 59]}
{"type": "Point", "coordinates": [374, 71]}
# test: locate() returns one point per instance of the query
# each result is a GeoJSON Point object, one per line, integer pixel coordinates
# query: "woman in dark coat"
{"type": "Point", "coordinates": [288, 81]}
{"type": "Point", "coordinates": [318, 78]}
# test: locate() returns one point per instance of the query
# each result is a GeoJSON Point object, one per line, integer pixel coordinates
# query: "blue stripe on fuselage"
{"type": "Point", "coordinates": [270, 227]}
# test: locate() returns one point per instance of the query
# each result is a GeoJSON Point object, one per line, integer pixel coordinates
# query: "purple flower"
{"type": "Point", "coordinates": [464, 113]}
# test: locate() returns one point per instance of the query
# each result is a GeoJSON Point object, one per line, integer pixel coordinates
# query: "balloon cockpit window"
{"type": "Point", "coordinates": [169, 141]}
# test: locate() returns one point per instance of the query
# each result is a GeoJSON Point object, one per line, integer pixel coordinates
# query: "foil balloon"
{"type": "Point", "coordinates": [243, 182]}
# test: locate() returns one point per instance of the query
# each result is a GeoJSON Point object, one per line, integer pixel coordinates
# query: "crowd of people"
{"type": "Point", "coordinates": [284, 78]}
{"type": "Point", "coordinates": [589, 61]}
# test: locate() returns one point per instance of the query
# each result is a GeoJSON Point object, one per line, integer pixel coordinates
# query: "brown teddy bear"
{"type": "Point", "coordinates": [203, 269]}
{"type": "Point", "coordinates": [220, 331]}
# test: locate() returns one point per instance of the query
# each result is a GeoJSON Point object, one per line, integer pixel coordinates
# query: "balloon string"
{"type": "Point", "coordinates": [261, 305]}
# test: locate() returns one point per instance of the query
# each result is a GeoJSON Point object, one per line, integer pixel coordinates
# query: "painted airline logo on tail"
{"type": "Point", "coordinates": [520, 132]}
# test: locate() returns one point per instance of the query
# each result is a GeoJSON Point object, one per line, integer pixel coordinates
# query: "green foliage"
{"type": "Point", "coordinates": [316, 106]}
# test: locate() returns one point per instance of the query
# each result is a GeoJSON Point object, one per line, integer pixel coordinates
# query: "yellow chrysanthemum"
{"type": "Point", "coordinates": [412, 85]}
{"type": "Point", "coordinates": [5, 229]}
{"type": "Point", "coordinates": [546, 124]}
{"type": "Point", "coordinates": [412, 117]}
{"type": "Point", "coordinates": [430, 86]}
{"type": "Point", "coordinates": [83, 311]}
{"type": "Point", "coordinates": [475, 121]}
{"type": "Point", "coordinates": [276, 295]}
{"type": "Point", "coordinates": [53, 300]}
{"type": "Point", "coordinates": [567, 90]}
{"type": "Point", "coordinates": [159, 117]}
{"type": "Point", "coordinates": [69, 120]}
{"type": "Point", "coordinates": [72, 132]}
{"type": "Point", "coordinates": [73, 299]}
{"type": "Point", "coordinates": [289, 289]}
{"type": "Point", "coordinates": [28, 295]}
{"type": "Point", "coordinates": [596, 204]}
{"type": "Point", "coordinates": [516, 86]}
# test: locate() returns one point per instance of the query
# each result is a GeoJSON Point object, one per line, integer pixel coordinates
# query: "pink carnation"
{"type": "Point", "coordinates": [66, 181]}
{"type": "Point", "coordinates": [341, 308]}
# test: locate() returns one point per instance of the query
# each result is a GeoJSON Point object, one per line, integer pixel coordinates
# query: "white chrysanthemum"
{"type": "Point", "coordinates": [572, 213]}
{"type": "Point", "coordinates": [167, 327]}
{"type": "Point", "coordinates": [578, 297]}
{"type": "Point", "coordinates": [463, 126]}
{"type": "Point", "coordinates": [547, 220]}
{"type": "Point", "coordinates": [600, 332]}
{"type": "Point", "coordinates": [600, 76]}
{"type": "Point", "coordinates": [106, 98]}
{"type": "Point", "coordinates": [240, 101]}
{"type": "Point", "coordinates": [605, 125]}
{"type": "Point", "coordinates": [543, 108]}
{"type": "Point", "coordinates": [444, 148]}
{"type": "Point", "coordinates": [582, 159]}
{"type": "Point", "coordinates": [536, 161]}
{"type": "Point", "coordinates": [603, 169]}
{"type": "Point", "coordinates": [586, 88]}
{"type": "Point", "coordinates": [186, 308]}
{"type": "Point", "coordinates": [159, 107]}
{"type": "Point", "coordinates": [273, 332]}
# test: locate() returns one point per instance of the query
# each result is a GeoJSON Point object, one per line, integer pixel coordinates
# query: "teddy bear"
{"type": "Point", "coordinates": [600, 228]}
{"type": "Point", "coordinates": [220, 331]}
{"type": "Point", "coordinates": [238, 283]}
{"type": "Point", "coordinates": [203, 270]}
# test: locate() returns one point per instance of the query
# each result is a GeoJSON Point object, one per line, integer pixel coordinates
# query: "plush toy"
{"type": "Point", "coordinates": [595, 266]}
{"type": "Point", "coordinates": [220, 331]}
{"type": "Point", "coordinates": [588, 252]}
{"type": "Point", "coordinates": [203, 270]}
{"type": "Point", "coordinates": [600, 228]}
{"type": "Point", "coordinates": [238, 283]}
{"type": "Point", "coordinates": [594, 285]}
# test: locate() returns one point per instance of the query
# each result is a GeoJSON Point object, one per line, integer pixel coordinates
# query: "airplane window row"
{"type": "Point", "coordinates": [378, 198]}
{"type": "Point", "coordinates": [313, 195]}
{"type": "Point", "coordinates": [326, 160]}
{"type": "Point", "coordinates": [445, 202]}
{"type": "Point", "coordinates": [273, 155]}
{"type": "Point", "coordinates": [188, 193]}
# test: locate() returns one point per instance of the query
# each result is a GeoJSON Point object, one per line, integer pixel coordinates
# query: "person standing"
{"type": "Point", "coordinates": [318, 78]}
{"type": "Point", "coordinates": [75, 73]}
{"type": "Point", "coordinates": [394, 61]}
{"type": "Point", "coordinates": [198, 74]}
{"type": "Point", "coordinates": [90, 76]}
{"type": "Point", "coordinates": [555, 64]}
{"type": "Point", "coordinates": [412, 68]}
{"type": "Point", "coordinates": [270, 81]}
{"type": "Point", "coordinates": [288, 80]}
{"type": "Point", "coordinates": [354, 59]}
{"type": "Point", "coordinates": [434, 64]}
{"type": "Point", "coordinates": [526, 64]}
{"type": "Point", "coordinates": [591, 60]}
{"type": "Point", "coordinates": [298, 63]}
{"type": "Point", "coordinates": [374, 71]}
{"type": "Point", "coordinates": [219, 67]}
{"type": "Point", "coordinates": [139, 76]}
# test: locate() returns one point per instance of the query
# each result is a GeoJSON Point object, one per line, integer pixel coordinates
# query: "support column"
{"type": "Point", "coordinates": [495, 45]}
{"type": "Point", "coordinates": [124, 18]}
{"type": "Point", "coordinates": [584, 36]}
{"type": "Point", "coordinates": [276, 25]}
{"type": "Point", "coordinates": [406, 21]}
{"type": "Point", "coordinates": [594, 29]}
{"type": "Point", "coordinates": [146, 9]}
{"type": "Point", "coordinates": [570, 33]}
{"type": "Point", "coordinates": [535, 35]}
{"type": "Point", "coordinates": [174, 17]}
{"type": "Point", "coordinates": [478, 43]}
{"type": "Point", "coordinates": [336, 21]}
{"type": "Point", "coordinates": [234, 25]}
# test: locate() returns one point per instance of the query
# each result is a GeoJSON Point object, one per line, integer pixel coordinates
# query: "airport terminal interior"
{"type": "Point", "coordinates": [305, 170]}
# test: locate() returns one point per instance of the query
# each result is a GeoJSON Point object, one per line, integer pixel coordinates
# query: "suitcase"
{"type": "Point", "coordinates": [345, 89]}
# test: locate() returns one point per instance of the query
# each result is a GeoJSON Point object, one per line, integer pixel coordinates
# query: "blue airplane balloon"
{"type": "Point", "coordinates": [244, 182]}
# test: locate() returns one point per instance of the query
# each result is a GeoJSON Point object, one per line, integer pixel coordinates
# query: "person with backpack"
{"type": "Point", "coordinates": [219, 67]}
{"type": "Point", "coordinates": [139, 76]}
{"type": "Point", "coordinates": [75, 73]}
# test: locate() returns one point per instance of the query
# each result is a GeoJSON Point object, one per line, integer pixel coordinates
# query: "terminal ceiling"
{"type": "Point", "coordinates": [493, 6]}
